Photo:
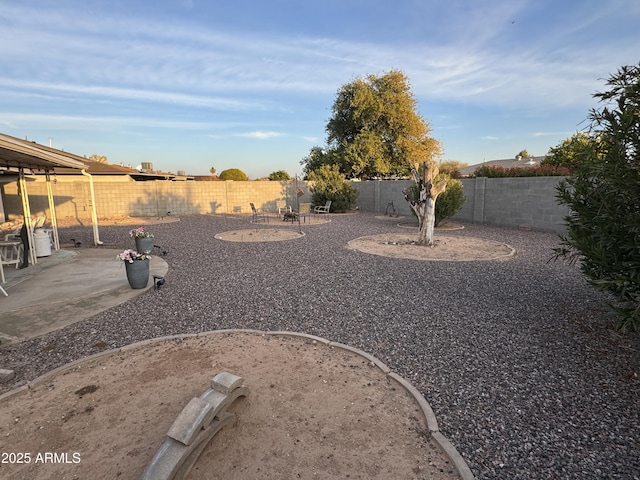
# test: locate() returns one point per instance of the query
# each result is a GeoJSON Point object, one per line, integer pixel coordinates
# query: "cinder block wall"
{"type": "Point", "coordinates": [528, 202]}
{"type": "Point", "coordinates": [376, 194]}
{"type": "Point", "coordinates": [153, 198]}
{"type": "Point", "coordinates": [511, 202]}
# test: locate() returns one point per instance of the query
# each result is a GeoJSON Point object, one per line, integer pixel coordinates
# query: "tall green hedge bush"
{"type": "Point", "coordinates": [603, 227]}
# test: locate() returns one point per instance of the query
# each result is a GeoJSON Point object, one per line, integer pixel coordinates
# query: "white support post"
{"type": "Point", "coordinates": [52, 214]}
{"type": "Point", "coordinates": [22, 185]}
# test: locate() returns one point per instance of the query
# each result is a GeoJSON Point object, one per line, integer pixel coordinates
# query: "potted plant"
{"type": "Point", "coordinates": [143, 239]}
{"type": "Point", "coordinates": [137, 267]}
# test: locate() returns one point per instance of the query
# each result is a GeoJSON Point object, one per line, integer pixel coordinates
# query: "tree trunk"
{"type": "Point", "coordinates": [425, 234]}
{"type": "Point", "coordinates": [424, 205]}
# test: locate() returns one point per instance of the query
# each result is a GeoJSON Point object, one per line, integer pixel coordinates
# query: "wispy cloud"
{"type": "Point", "coordinates": [79, 122]}
{"type": "Point", "coordinates": [553, 134]}
{"type": "Point", "coordinates": [71, 90]}
{"type": "Point", "coordinates": [259, 135]}
{"type": "Point", "coordinates": [180, 68]}
{"type": "Point", "coordinates": [150, 60]}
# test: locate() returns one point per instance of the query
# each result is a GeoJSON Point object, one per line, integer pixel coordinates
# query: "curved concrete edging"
{"type": "Point", "coordinates": [294, 224]}
{"type": "Point", "coordinates": [438, 229]}
{"type": "Point", "coordinates": [458, 461]}
{"type": "Point", "coordinates": [258, 235]}
{"type": "Point", "coordinates": [359, 244]}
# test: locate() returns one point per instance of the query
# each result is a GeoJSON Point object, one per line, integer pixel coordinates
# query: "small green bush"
{"type": "Point", "coordinates": [330, 184]}
{"type": "Point", "coordinates": [448, 202]}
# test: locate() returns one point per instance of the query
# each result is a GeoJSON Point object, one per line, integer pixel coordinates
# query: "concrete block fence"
{"type": "Point", "coordinates": [519, 202]}
{"type": "Point", "coordinates": [153, 198]}
{"type": "Point", "coordinates": [527, 202]}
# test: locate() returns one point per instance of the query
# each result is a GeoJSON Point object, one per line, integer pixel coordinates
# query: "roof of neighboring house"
{"type": "Point", "coordinates": [102, 168]}
{"type": "Point", "coordinates": [506, 163]}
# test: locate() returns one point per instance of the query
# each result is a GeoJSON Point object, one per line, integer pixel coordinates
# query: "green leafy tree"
{"type": "Point", "coordinates": [98, 158]}
{"type": "Point", "coordinates": [603, 227]}
{"type": "Point", "coordinates": [374, 130]}
{"type": "Point", "coordinates": [233, 174]}
{"type": "Point", "coordinates": [523, 154]}
{"type": "Point", "coordinates": [316, 158]}
{"type": "Point", "coordinates": [212, 171]}
{"type": "Point", "coordinates": [327, 183]}
{"type": "Point", "coordinates": [571, 152]}
{"type": "Point", "coordinates": [451, 168]}
{"type": "Point", "coordinates": [279, 176]}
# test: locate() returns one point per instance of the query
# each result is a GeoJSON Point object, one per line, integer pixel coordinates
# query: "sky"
{"type": "Point", "coordinates": [194, 84]}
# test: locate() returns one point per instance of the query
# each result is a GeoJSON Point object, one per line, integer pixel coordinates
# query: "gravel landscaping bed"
{"type": "Point", "coordinates": [527, 376]}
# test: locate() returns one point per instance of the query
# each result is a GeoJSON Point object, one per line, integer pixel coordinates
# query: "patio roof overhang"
{"type": "Point", "coordinates": [16, 154]}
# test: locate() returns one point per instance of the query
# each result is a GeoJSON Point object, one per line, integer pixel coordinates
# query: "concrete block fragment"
{"type": "Point", "coordinates": [200, 443]}
{"type": "Point", "coordinates": [225, 382]}
{"type": "Point", "coordinates": [194, 428]}
{"type": "Point", "coordinates": [6, 375]}
{"type": "Point", "coordinates": [191, 419]}
{"type": "Point", "coordinates": [218, 401]}
{"type": "Point", "coordinates": [167, 461]}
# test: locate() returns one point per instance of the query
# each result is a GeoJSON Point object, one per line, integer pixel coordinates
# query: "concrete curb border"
{"type": "Point", "coordinates": [458, 461]}
{"type": "Point", "coordinates": [288, 224]}
{"type": "Point", "coordinates": [225, 236]}
{"type": "Point", "coordinates": [352, 245]}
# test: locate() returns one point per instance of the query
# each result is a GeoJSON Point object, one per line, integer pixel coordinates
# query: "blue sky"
{"type": "Point", "coordinates": [194, 84]}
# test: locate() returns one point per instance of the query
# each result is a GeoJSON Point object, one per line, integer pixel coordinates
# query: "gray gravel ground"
{"type": "Point", "coordinates": [524, 372]}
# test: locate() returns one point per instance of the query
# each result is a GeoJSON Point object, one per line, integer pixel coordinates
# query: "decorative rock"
{"type": "Point", "coordinates": [6, 375]}
{"type": "Point", "coordinates": [190, 420]}
{"type": "Point", "coordinates": [224, 382]}
{"type": "Point", "coordinates": [194, 428]}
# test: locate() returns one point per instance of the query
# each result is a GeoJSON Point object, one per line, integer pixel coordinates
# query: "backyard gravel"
{"type": "Point", "coordinates": [526, 374]}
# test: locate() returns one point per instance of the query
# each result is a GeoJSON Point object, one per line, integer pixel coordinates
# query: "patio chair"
{"type": "Point", "coordinates": [10, 254]}
{"type": "Point", "coordinates": [322, 208]}
{"type": "Point", "coordinates": [257, 215]}
{"type": "Point", "coordinates": [283, 210]}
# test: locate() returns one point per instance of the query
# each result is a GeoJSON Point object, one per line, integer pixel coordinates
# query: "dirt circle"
{"type": "Point", "coordinates": [446, 248]}
{"type": "Point", "coordinates": [314, 411]}
{"type": "Point", "coordinates": [259, 235]}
